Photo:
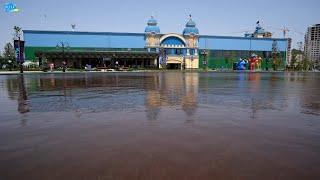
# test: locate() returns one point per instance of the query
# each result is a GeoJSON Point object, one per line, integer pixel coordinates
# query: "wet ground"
{"type": "Point", "coordinates": [150, 126]}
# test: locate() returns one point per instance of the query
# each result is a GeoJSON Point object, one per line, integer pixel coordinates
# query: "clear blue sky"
{"type": "Point", "coordinates": [224, 17]}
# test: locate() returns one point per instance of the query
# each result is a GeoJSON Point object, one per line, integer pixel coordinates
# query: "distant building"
{"type": "Point", "coordinates": [312, 45]}
{"type": "Point", "coordinates": [151, 48]}
{"type": "Point", "coordinates": [259, 32]}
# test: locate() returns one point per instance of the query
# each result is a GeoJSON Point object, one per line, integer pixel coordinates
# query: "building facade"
{"type": "Point", "coordinates": [152, 49]}
{"type": "Point", "coordinates": [312, 45]}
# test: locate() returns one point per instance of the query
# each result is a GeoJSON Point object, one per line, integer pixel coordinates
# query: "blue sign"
{"type": "Point", "coordinates": [16, 45]}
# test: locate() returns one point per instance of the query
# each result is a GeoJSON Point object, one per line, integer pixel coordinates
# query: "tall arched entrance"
{"type": "Point", "coordinates": [174, 50]}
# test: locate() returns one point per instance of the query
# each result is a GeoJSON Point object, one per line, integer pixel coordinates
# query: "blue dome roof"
{"type": "Point", "coordinates": [152, 29]}
{"type": "Point", "coordinates": [190, 28]}
{"type": "Point", "coordinates": [152, 21]}
{"type": "Point", "coordinates": [152, 26]}
{"type": "Point", "coordinates": [191, 23]}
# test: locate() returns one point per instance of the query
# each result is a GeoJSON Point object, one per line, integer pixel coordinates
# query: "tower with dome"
{"type": "Point", "coordinates": [152, 35]}
{"type": "Point", "coordinates": [191, 34]}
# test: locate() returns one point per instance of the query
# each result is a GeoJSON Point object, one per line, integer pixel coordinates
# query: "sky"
{"type": "Point", "coordinates": [224, 17]}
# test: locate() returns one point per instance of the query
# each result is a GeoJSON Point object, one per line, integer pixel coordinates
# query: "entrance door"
{"type": "Point", "coordinates": [174, 66]}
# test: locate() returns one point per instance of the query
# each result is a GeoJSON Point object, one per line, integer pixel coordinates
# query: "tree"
{"type": "Point", "coordinates": [299, 61]}
{"type": "Point", "coordinates": [296, 59]}
{"type": "Point", "coordinates": [9, 52]}
{"type": "Point", "coordinates": [275, 54]}
{"type": "Point", "coordinates": [306, 64]}
{"type": "Point", "coordinates": [8, 58]}
{"type": "Point", "coordinates": [1, 60]}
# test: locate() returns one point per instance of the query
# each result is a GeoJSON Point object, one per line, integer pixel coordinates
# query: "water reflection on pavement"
{"type": "Point", "coordinates": [160, 126]}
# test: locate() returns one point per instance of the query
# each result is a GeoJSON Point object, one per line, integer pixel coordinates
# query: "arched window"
{"type": "Point", "coordinates": [173, 42]}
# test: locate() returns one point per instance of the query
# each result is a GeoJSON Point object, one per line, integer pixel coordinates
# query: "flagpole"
{"type": "Point", "coordinates": [19, 56]}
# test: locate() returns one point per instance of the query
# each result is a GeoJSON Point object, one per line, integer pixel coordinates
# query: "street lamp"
{"type": "Point", "coordinates": [184, 62]}
{"type": "Point", "coordinates": [63, 46]}
{"type": "Point", "coordinates": [204, 53]}
{"type": "Point", "coordinates": [19, 46]}
{"type": "Point", "coordinates": [162, 57]}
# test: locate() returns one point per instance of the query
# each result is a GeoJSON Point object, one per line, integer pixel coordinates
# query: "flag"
{"type": "Point", "coordinates": [17, 50]}
{"type": "Point", "coordinates": [21, 51]}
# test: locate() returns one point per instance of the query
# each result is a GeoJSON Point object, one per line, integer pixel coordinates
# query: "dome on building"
{"type": "Point", "coordinates": [152, 29]}
{"type": "Point", "coordinates": [152, 26]}
{"type": "Point", "coordinates": [191, 23]}
{"type": "Point", "coordinates": [190, 28]}
{"type": "Point", "coordinates": [152, 21]}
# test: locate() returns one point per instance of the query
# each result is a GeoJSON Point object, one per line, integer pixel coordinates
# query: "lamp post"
{"type": "Point", "coordinates": [18, 48]}
{"type": "Point", "coordinates": [20, 58]}
{"type": "Point", "coordinates": [162, 58]}
{"type": "Point", "coordinates": [10, 63]}
{"type": "Point", "coordinates": [63, 46]}
{"type": "Point", "coordinates": [204, 62]}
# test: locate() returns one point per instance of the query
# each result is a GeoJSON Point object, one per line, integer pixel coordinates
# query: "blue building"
{"type": "Point", "coordinates": [152, 49]}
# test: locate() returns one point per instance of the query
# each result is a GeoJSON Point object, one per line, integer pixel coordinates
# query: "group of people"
{"type": "Point", "coordinates": [64, 66]}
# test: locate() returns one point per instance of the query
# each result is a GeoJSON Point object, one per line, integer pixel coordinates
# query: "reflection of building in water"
{"type": "Point", "coordinates": [17, 91]}
{"type": "Point", "coordinates": [308, 99]}
{"type": "Point", "coordinates": [189, 103]}
{"type": "Point", "coordinates": [267, 95]}
{"type": "Point", "coordinates": [180, 90]}
{"type": "Point", "coordinates": [101, 93]}
{"type": "Point", "coordinates": [255, 92]}
{"type": "Point", "coordinates": [155, 91]}
{"type": "Point", "coordinates": [153, 104]}
{"type": "Point", "coordinates": [45, 88]}
{"type": "Point", "coordinates": [22, 98]}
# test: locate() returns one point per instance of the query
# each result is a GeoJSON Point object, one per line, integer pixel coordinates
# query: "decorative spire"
{"type": "Point", "coordinates": [190, 27]}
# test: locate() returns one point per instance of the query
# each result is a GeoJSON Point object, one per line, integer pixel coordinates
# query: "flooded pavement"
{"type": "Point", "coordinates": [150, 126]}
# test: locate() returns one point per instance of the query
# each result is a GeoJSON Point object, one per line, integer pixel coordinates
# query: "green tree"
{"type": "Point", "coordinates": [226, 61]}
{"type": "Point", "coordinates": [295, 63]}
{"type": "Point", "coordinates": [1, 60]}
{"type": "Point", "coordinates": [9, 52]}
{"type": "Point", "coordinates": [233, 58]}
{"type": "Point", "coordinates": [306, 64]}
{"type": "Point", "coordinates": [299, 61]}
{"type": "Point", "coordinates": [8, 56]}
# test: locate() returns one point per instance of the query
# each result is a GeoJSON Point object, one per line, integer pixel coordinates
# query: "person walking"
{"type": "Point", "coordinates": [64, 65]}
